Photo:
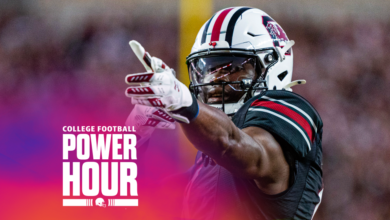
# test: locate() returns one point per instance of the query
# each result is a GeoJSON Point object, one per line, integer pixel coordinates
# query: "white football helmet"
{"type": "Point", "coordinates": [100, 202]}
{"type": "Point", "coordinates": [238, 53]}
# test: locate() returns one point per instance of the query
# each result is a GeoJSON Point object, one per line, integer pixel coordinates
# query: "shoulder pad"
{"type": "Point", "coordinates": [286, 115]}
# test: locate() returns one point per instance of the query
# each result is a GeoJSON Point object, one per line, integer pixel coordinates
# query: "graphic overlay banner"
{"type": "Point", "coordinates": [99, 163]}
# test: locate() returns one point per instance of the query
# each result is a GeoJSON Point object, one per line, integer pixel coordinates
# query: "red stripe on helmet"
{"type": "Point", "coordinates": [218, 24]}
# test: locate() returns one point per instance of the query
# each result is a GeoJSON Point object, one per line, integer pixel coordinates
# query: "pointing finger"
{"type": "Point", "coordinates": [142, 55]}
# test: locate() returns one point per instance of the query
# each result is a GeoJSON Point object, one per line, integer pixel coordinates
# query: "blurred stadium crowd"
{"type": "Point", "coordinates": [345, 62]}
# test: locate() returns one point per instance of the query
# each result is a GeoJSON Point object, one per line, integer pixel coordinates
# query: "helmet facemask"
{"type": "Point", "coordinates": [224, 81]}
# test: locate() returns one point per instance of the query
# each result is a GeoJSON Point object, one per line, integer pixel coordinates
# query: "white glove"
{"type": "Point", "coordinates": [146, 119]}
{"type": "Point", "coordinates": [158, 87]}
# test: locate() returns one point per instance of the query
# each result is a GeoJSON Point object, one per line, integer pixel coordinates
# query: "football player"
{"type": "Point", "coordinates": [260, 154]}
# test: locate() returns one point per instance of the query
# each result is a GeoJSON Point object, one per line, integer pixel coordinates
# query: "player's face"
{"type": "Point", "coordinates": [222, 69]}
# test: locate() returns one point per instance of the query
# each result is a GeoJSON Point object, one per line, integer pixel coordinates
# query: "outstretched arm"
{"type": "Point", "coordinates": [249, 153]}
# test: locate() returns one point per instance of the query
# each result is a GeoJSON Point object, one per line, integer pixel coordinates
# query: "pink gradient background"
{"type": "Point", "coordinates": [31, 151]}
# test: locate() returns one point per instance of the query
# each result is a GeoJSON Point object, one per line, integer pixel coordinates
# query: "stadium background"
{"type": "Point", "coordinates": [64, 62]}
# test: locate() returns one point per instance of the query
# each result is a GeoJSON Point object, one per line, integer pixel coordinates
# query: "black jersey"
{"type": "Point", "coordinates": [213, 193]}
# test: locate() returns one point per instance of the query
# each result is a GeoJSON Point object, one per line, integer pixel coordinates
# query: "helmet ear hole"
{"type": "Point", "coordinates": [282, 75]}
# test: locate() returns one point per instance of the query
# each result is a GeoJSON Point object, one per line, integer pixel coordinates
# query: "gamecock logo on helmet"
{"type": "Point", "coordinates": [274, 30]}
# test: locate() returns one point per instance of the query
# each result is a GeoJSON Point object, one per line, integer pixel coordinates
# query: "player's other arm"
{"type": "Point", "coordinates": [251, 153]}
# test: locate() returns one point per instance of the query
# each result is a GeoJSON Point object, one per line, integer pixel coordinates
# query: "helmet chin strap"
{"type": "Point", "coordinates": [282, 51]}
